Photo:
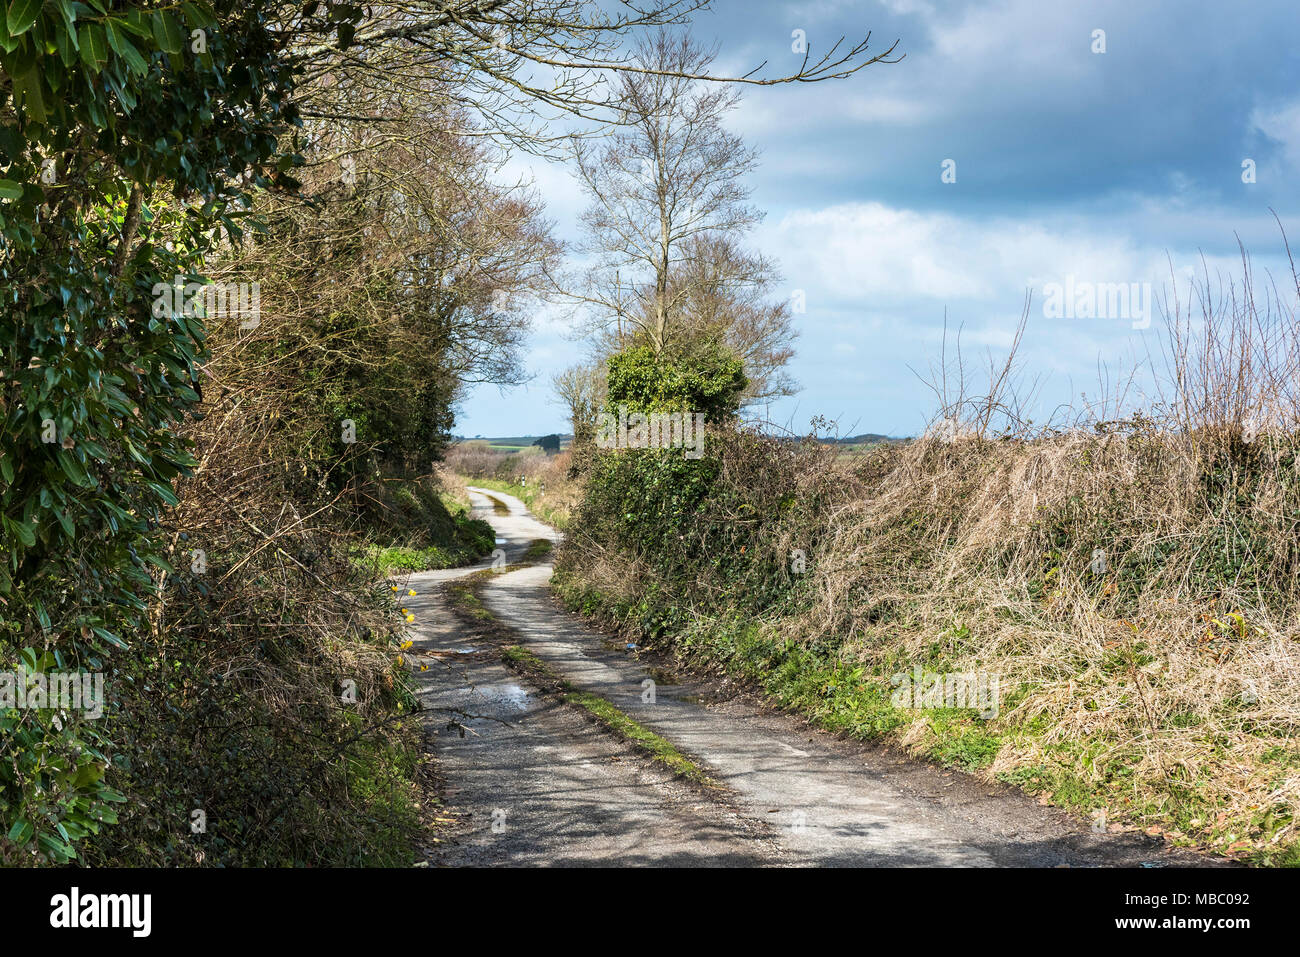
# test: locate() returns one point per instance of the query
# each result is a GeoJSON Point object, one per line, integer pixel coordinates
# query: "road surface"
{"type": "Point", "coordinates": [533, 781]}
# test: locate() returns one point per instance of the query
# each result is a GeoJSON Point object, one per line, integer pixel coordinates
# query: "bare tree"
{"type": "Point", "coordinates": [399, 273]}
{"type": "Point", "coordinates": [669, 206]}
{"type": "Point", "coordinates": [517, 65]}
{"type": "Point", "coordinates": [729, 294]}
{"type": "Point", "coordinates": [672, 175]}
{"type": "Point", "coordinates": [468, 253]}
{"type": "Point", "coordinates": [581, 389]}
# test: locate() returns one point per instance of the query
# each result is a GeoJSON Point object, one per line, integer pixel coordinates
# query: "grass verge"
{"type": "Point", "coordinates": [418, 525]}
{"type": "Point", "coordinates": [549, 510]}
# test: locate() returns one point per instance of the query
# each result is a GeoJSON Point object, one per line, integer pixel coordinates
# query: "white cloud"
{"type": "Point", "coordinates": [872, 255]}
{"type": "Point", "coordinates": [1282, 124]}
{"type": "Point", "coordinates": [554, 182]}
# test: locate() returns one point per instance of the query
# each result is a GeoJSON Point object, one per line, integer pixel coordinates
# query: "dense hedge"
{"type": "Point", "coordinates": [130, 140]}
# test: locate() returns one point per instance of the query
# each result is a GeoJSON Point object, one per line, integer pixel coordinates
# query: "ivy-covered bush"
{"type": "Point", "coordinates": [130, 135]}
{"type": "Point", "coordinates": [705, 377]}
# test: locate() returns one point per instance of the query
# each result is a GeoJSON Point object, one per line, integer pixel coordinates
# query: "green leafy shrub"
{"type": "Point", "coordinates": [706, 377]}
{"type": "Point", "coordinates": [112, 119]}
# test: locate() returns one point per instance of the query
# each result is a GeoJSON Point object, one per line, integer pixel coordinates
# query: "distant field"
{"type": "Point", "coordinates": [515, 443]}
{"type": "Point", "coordinates": [512, 443]}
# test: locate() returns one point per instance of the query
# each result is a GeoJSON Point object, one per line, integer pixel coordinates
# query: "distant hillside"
{"type": "Point", "coordinates": [866, 438]}
{"type": "Point", "coordinates": [513, 443]}
{"type": "Point", "coordinates": [510, 443]}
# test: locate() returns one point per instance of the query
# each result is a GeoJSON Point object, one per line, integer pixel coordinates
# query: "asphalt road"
{"type": "Point", "coordinates": [532, 781]}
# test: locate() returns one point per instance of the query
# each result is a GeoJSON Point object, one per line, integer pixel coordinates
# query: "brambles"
{"type": "Point", "coordinates": [1130, 585]}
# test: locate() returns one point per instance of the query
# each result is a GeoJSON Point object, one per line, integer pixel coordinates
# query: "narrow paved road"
{"type": "Point", "coordinates": [532, 780]}
{"type": "Point", "coordinates": [539, 784]}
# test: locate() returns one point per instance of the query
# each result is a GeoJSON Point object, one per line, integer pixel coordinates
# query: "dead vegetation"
{"type": "Point", "coordinates": [1131, 578]}
{"type": "Point", "coordinates": [270, 693]}
{"type": "Point", "coordinates": [1136, 601]}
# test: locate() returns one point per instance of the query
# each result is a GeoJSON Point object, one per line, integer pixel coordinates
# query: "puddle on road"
{"type": "Point", "coordinates": [510, 695]}
{"type": "Point", "coordinates": [500, 541]}
{"type": "Point", "coordinates": [661, 676]}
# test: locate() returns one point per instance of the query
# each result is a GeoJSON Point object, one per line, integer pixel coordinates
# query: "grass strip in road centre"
{"type": "Point", "coordinates": [658, 748]}
{"type": "Point", "coordinates": [465, 601]}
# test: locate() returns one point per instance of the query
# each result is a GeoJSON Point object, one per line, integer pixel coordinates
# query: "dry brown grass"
{"type": "Point", "coordinates": [1177, 674]}
{"type": "Point", "coordinates": [1168, 673]}
{"type": "Point", "coordinates": [1130, 571]}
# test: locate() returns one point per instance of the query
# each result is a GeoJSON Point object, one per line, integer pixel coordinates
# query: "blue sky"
{"type": "Point", "coordinates": [1100, 167]}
